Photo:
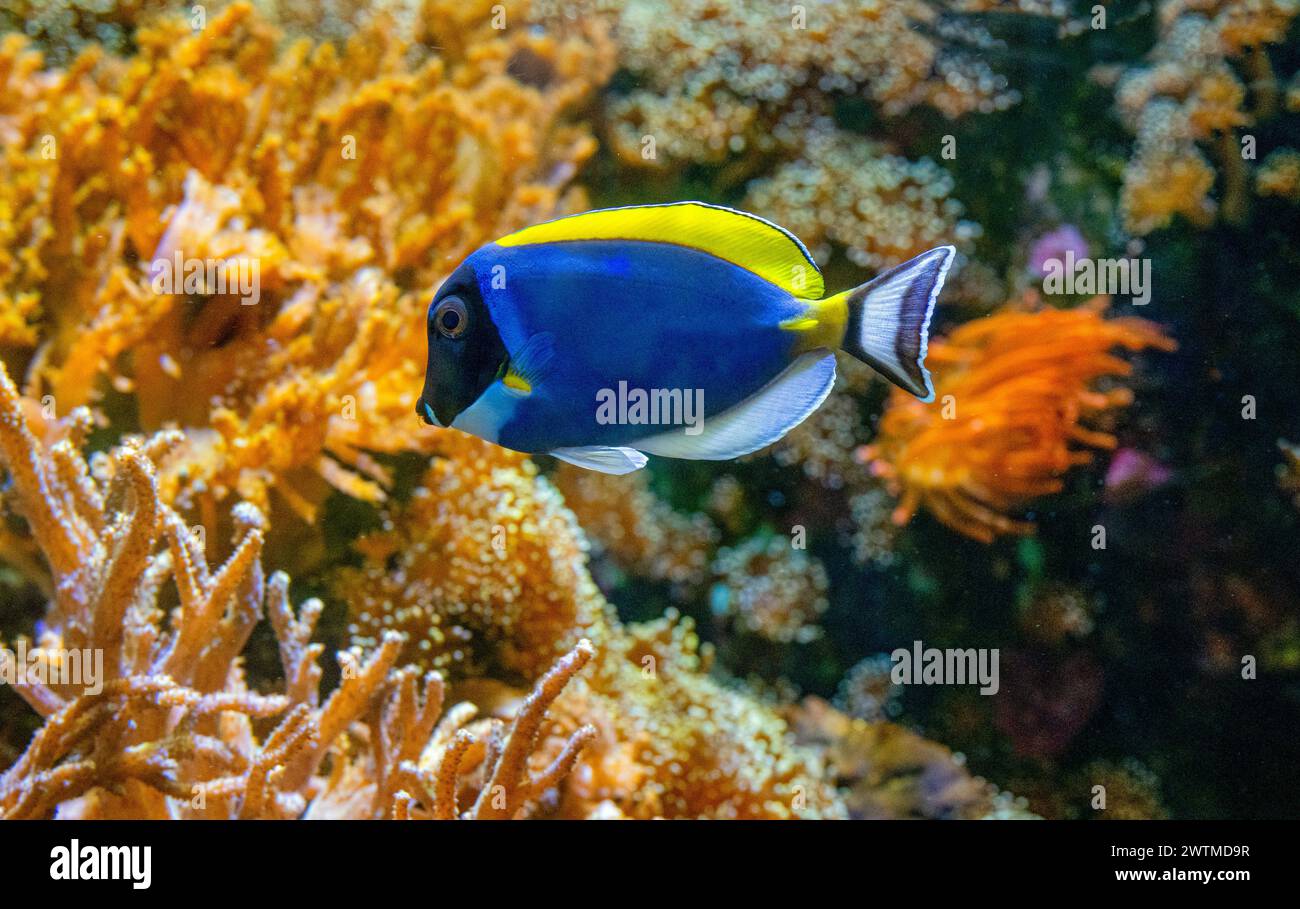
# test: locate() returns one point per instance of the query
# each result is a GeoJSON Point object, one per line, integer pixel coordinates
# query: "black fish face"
{"type": "Point", "coordinates": [465, 350]}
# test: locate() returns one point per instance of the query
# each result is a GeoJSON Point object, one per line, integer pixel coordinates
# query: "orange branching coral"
{"type": "Point", "coordinates": [507, 784]}
{"type": "Point", "coordinates": [242, 233]}
{"type": "Point", "coordinates": [639, 531]}
{"type": "Point", "coordinates": [141, 722]}
{"type": "Point", "coordinates": [422, 763]}
{"type": "Point", "coordinates": [1013, 391]}
{"type": "Point", "coordinates": [149, 715]}
{"type": "Point", "coordinates": [1192, 98]}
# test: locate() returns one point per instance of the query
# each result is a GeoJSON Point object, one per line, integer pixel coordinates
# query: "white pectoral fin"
{"type": "Point", "coordinates": [603, 458]}
{"type": "Point", "coordinates": [758, 421]}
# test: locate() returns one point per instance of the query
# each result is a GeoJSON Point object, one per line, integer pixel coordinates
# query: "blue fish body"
{"type": "Point", "coordinates": [652, 315]}
{"type": "Point", "coordinates": [683, 330]}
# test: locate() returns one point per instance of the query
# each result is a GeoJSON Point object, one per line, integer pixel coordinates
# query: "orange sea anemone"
{"type": "Point", "coordinates": [1013, 391]}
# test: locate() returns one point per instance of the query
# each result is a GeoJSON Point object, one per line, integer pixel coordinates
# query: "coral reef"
{"type": "Point", "coordinates": [484, 568]}
{"type": "Point", "coordinates": [867, 691]}
{"type": "Point", "coordinates": [894, 773]}
{"type": "Point", "coordinates": [746, 66]}
{"type": "Point", "coordinates": [822, 446]}
{"type": "Point", "coordinates": [161, 725]}
{"type": "Point", "coordinates": [676, 743]}
{"type": "Point", "coordinates": [769, 588]}
{"type": "Point", "coordinates": [484, 572]}
{"type": "Point", "coordinates": [289, 167]}
{"type": "Point", "coordinates": [1279, 175]}
{"type": "Point", "coordinates": [64, 27]}
{"type": "Point", "coordinates": [219, 228]}
{"type": "Point", "coordinates": [1235, 614]}
{"type": "Point", "coordinates": [305, 171]}
{"type": "Point", "coordinates": [1013, 391]}
{"type": "Point", "coordinates": [739, 86]}
{"type": "Point", "coordinates": [1047, 700]}
{"type": "Point", "coordinates": [844, 192]}
{"type": "Point", "coordinates": [422, 764]}
{"type": "Point", "coordinates": [874, 533]}
{"type": "Point", "coordinates": [1132, 791]}
{"type": "Point", "coordinates": [1055, 613]}
{"type": "Point", "coordinates": [1288, 472]}
{"type": "Point", "coordinates": [1191, 99]}
{"type": "Point", "coordinates": [638, 531]}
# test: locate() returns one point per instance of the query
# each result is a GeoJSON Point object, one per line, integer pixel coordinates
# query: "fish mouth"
{"type": "Point", "coordinates": [425, 410]}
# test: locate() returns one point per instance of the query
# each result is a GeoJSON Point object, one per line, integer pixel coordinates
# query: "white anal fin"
{"type": "Point", "coordinates": [602, 458]}
{"type": "Point", "coordinates": [758, 421]}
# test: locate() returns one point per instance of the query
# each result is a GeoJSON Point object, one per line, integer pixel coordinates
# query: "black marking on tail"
{"type": "Point", "coordinates": [889, 319]}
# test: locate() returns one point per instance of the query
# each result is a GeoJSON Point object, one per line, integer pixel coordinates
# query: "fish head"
{"type": "Point", "coordinates": [465, 351]}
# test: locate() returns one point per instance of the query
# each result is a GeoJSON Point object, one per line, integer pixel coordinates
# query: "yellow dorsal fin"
{"type": "Point", "coordinates": [769, 251]}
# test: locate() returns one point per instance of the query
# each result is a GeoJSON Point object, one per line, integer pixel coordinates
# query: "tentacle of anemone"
{"type": "Point", "coordinates": [1021, 384]}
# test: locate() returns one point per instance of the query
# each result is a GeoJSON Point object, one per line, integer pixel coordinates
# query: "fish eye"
{"type": "Point", "coordinates": [450, 318]}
